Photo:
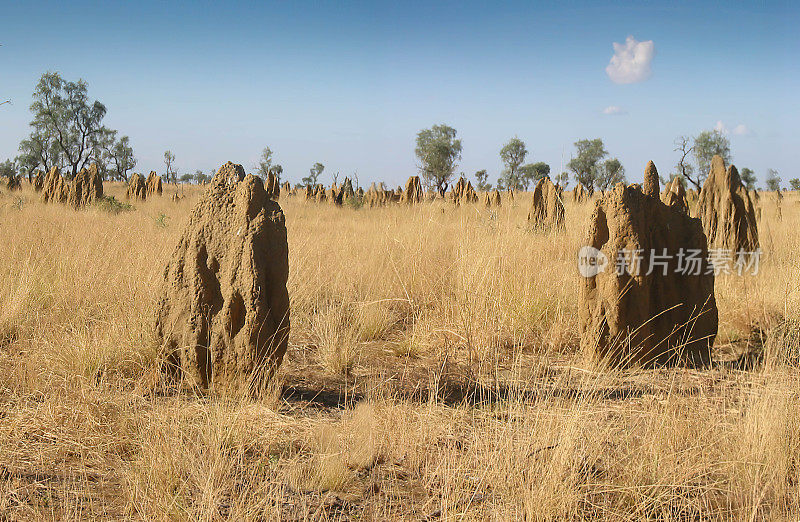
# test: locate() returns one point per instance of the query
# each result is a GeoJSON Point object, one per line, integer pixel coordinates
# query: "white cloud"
{"type": "Point", "coordinates": [741, 130]}
{"type": "Point", "coordinates": [631, 61]}
{"type": "Point", "coordinates": [738, 130]}
{"type": "Point", "coordinates": [614, 109]}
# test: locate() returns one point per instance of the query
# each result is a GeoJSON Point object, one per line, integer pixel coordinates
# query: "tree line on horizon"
{"type": "Point", "coordinates": [67, 131]}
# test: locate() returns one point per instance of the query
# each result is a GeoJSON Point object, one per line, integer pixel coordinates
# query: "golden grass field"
{"type": "Point", "coordinates": [433, 373]}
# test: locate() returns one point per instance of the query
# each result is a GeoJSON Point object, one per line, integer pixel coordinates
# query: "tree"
{"type": "Point", "coordinates": [748, 178]}
{"type": "Point", "coordinates": [481, 184]}
{"type": "Point", "coordinates": [533, 172]}
{"type": "Point", "coordinates": [264, 165]}
{"type": "Point", "coordinates": [38, 151]}
{"type": "Point", "coordinates": [314, 174]}
{"type": "Point", "coordinates": [773, 180]}
{"type": "Point", "coordinates": [66, 124]}
{"type": "Point", "coordinates": [186, 178]}
{"type": "Point", "coordinates": [169, 159]}
{"type": "Point", "coordinates": [794, 183]}
{"type": "Point", "coordinates": [118, 154]}
{"type": "Point", "coordinates": [513, 154]}
{"type": "Point", "coordinates": [563, 180]}
{"type": "Point", "coordinates": [276, 171]}
{"type": "Point", "coordinates": [7, 169]}
{"type": "Point", "coordinates": [684, 145]}
{"type": "Point", "coordinates": [438, 152]}
{"type": "Point", "coordinates": [611, 173]}
{"type": "Point", "coordinates": [585, 164]}
{"type": "Point", "coordinates": [200, 178]}
{"type": "Point", "coordinates": [708, 144]}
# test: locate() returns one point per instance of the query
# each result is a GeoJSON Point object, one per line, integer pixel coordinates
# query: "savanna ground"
{"type": "Point", "coordinates": [433, 373]}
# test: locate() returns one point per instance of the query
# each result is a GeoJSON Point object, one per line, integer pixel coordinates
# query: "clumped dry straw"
{"type": "Point", "coordinates": [433, 371]}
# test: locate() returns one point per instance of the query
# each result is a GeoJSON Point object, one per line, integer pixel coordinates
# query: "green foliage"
{"type": "Point", "coordinates": [199, 177]}
{"type": "Point", "coordinates": [563, 180]}
{"type": "Point", "coordinates": [7, 169]}
{"type": "Point", "coordinates": [355, 202]}
{"type": "Point", "coordinates": [186, 178]}
{"type": "Point", "coordinates": [438, 152]}
{"type": "Point", "coordinates": [585, 165]}
{"type": "Point", "coordinates": [264, 163]}
{"type": "Point", "coordinates": [610, 173]}
{"type": "Point", "coordinates": [512, 154]}
{"type": "Point", "coordinates": [313, 174]}
{"type": "Point", "coordinates": [794, 183]}
{"type": "Point", "coordinates": [773, 180]}
{"type": "Point", "coordinates": [748, 178]}
{"type": "Point", "coordinates": [265, 167]}
{"type": "Point", "coordinates": [708, 144]}
{"type": "Point", "coordinates": [111, 205]}
{"type": "Point", "coordinates": [531, 173]}
{"type": "Point", "coordinates": [119, 154]}
{"type": "Point", "coordinates": [481, 184]}
{"type": "Point", "coordinates": [161, 220]}
{"type": "Point", "coordinates": [39, 150]}
{"type": "Point", "coordinates": [67, 126]}
{"type": "Point", "coordinates": [169, 159]}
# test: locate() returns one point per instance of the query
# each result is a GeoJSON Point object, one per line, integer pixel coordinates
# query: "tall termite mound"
{"type": "Point", "coordinates": [55, 189]}
{"type": "Point", "coordinates": [137, 188]}
{"type": "Point", "coordinates": [376, 196]}
{"type": "Point", "coordinates": [491, 198]}
{"type": "Point", "coordinates": [726, 210]}
{"type": "Point", "coordinates": [273, 187]}
{"type": "Point", "coordinates": [14, 182]}
{"type": "Point", "coordinates": [580, 194]}
{"type": "Point", "coordinates": [651, 300]}
{"type": "Point", "coordinates": [651, 184]}
{"type": "Point", "coordinates": [674, 196]}
{"type": "Point", "coordinates": [463, 193]}
{"type": "Point", "coordinates": [413, 191]}
{"type": "Point", "coordinates": [86, 187]}
{"type": "Point", "coordinates": [153, 185]}
{"type": "Point", "coordinates": [547, 206]}
{"type": "Point", "coordinates": [346, 192]}
{"type": "Point", "coordinates": [223, 315]}
{"type": "Point", "coordinates": [38, 180]}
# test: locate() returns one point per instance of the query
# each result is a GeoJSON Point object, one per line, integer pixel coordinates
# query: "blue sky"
{"type": "Point", "coordinates": [350, 84]}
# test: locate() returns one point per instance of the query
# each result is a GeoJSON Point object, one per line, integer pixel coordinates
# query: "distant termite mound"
{"type": "Point", "coordinates": [547, 206]}
{"type": "Point", "coordinates": [726, 210]}
{"type": "Point", "coordinates": [491, 198]}
{"type": "Point", "coordinates": [273, 186]}
{"type": "Point", "coordinates": [137, 188]}
{"type": "Point", "coordinates": [346, 192]}
{"type": "Point", "coordinates": [223, 316]}
{"type": "Point", "coordinates": [38, 180]}
{"type": "Point", "coordinates": [153, 185]}
{"type": "Point", "coordinates": [580, 194]}
{"type": "Point", "coordinates": [674, 196]}
{"type": "Point", "coordinates": [463, 192]}
{"type": "Point", "coordinates": [14, 182]}
{"type": "Point", "coordinates": [376, 196]}
{"type": "Point", "coordinates": [86, 187]}
{"type": "Point", "coordinates": [413, 191]}
{"type": "Point", "coordinates": [55, 189]}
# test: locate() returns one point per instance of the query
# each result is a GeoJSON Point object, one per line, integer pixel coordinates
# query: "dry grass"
{"type": "Point", "coordinates": [433, 371]}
